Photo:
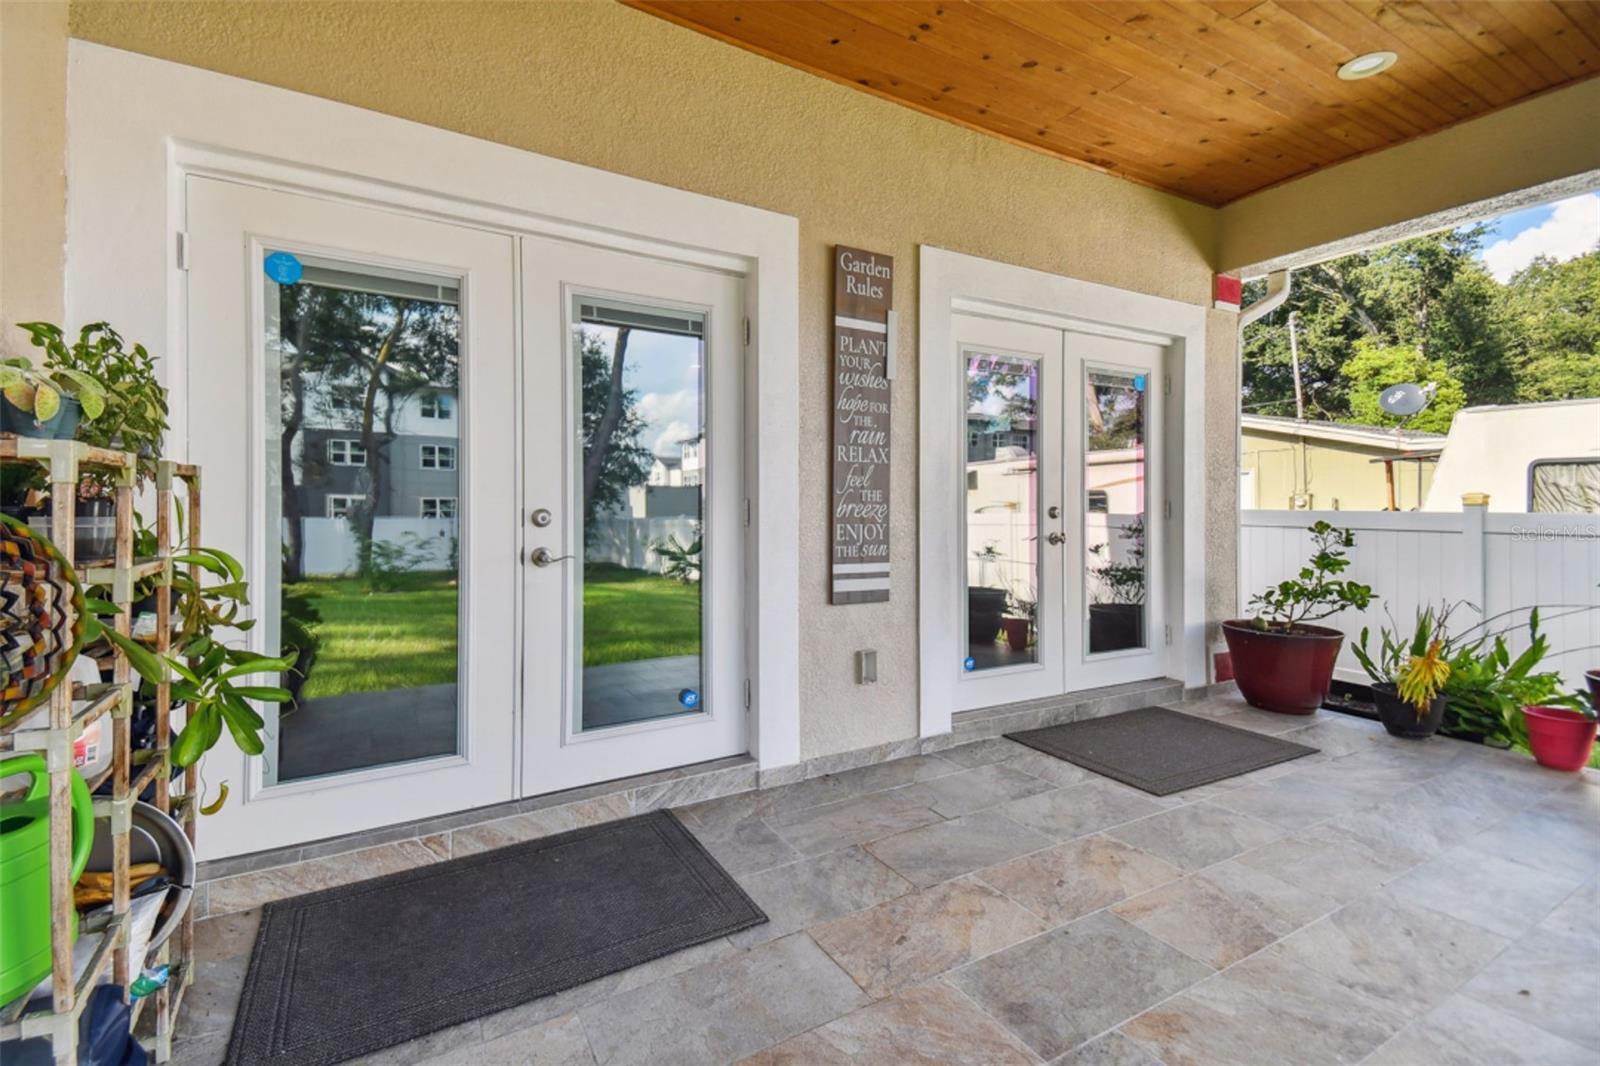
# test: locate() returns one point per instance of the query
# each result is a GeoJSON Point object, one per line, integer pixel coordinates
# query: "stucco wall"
{"type": "Point", "coordinates": [603, 85]}
{"type": "Point", "coordinates": [33, 131]}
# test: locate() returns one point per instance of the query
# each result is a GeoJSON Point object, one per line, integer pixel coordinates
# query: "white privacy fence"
{"type": "Point", "coordinates": [330, 543]}
{"type": "Point", "coordinates": [1495, 562]}
{"type": "Point", "coordinates": [630, 542]}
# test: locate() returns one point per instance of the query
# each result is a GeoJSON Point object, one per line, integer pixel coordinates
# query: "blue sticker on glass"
{"type": "Point", "coordinates": [969, 664]}
{"type": "Point", "coordinates": [689, 698]}
{"type": "Point", "coordinates": [1138, 382]}
{"type": "Point", "coordinates": [283, 268]}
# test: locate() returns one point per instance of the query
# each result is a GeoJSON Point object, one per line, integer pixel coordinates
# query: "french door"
{"type": "Point", "coordinates": [1062, 515]}
{"type": "Point", "coordinates": [353, 403]}
{"type": "Point", "coordinates": [634, 656]}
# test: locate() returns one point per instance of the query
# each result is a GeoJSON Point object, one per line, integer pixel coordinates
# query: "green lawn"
{"type": "Point", "coordinates": [371, 641]}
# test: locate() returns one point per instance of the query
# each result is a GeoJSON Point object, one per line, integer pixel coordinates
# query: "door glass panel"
{"type": "Point", "coordinates": [642, 477]}
{"type": "Point", "coordinates": [363, 491]}
{"type": "Point", "coordinates": [1002, 510]}
{"type": "Point", "coordinates": [1114, 511]}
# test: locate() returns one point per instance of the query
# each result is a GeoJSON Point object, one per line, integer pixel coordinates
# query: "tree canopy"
{"type": "Point", "coordinates": [1426, 310]}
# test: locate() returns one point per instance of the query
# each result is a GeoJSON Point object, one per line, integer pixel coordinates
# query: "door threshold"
{"type": "Point", "coordinates": [984, 722]}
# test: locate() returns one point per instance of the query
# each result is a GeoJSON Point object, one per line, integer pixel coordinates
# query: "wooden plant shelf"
{"type": "Point", "coordinates": [64, 463]}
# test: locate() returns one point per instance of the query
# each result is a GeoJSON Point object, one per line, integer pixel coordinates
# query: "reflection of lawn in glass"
{"type": "Point", "coordinates": [372, 641]}
{"type": "Point", "coordinates": [631, 614]}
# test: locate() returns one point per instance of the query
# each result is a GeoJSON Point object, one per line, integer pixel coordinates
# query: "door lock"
{"type": "Point", "coordinates": [541, 557]}
{"type": "Point", "coordinates": [1054, 512]}
{"type": "Point", "coordinates": [541, 517]}
{"type": "Point", "coordinates": [1056, 538]}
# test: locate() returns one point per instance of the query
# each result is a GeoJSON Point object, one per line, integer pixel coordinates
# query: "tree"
{"type": "Point", "coordinates": [614, 459]}
{"type": "Point", "coordinates": [1429, 294]}
{"type": "Point", "coordinates": [350, 356]}
{"type": "Point", "coordinates": [1375, 367]}
{"type": "Point", "coordinates": [1552, 313]}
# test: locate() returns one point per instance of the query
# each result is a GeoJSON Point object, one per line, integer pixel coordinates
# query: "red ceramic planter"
{"type": "Point", "coordinates": [1284, 672]}
{"type": "Point", "coordinates": [1560, 739]}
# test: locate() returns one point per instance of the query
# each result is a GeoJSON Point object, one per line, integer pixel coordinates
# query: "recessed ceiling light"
{"type": "Point", "coordinates": [1366, 66]}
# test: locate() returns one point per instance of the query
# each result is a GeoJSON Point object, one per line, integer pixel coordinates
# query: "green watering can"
{"type": "Point", "coordinates": [25, 873]}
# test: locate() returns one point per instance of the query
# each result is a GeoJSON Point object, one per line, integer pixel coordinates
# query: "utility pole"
{"type": "Point", "coordinates": [1294, 361]}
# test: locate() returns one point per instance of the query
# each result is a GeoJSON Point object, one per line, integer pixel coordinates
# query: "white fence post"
{"type": "Point", "coordinates": [1474, 508]}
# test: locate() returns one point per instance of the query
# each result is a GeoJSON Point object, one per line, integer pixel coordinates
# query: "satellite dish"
{"type": "Point", "coordinates": [1403, 399]}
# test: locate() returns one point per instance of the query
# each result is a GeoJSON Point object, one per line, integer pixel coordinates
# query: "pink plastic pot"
{"type": "Point", "coordinates": [1560, 739]}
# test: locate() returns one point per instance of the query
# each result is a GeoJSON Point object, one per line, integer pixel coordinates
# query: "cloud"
{"type": "Point", "coordinates": [1572, 229]}
{"type": "Point", "coordinates": [672, 434]}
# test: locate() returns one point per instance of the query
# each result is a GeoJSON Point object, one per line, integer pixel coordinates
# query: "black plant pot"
{"type": "Point", "coordinates": [985, 607]}
{"type": "Point", "coordinates": [1400, 718]}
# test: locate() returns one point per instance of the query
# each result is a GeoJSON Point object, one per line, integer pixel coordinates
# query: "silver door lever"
{"type": "Point", "coordinates": [541, 557]}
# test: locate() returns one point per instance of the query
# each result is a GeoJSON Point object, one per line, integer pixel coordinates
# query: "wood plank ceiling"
{"type": "Point", "coordinates": [1209, 100]}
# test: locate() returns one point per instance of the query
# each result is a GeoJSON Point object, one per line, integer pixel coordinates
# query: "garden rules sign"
{"type": "Point", "coordinates": [863, 363]}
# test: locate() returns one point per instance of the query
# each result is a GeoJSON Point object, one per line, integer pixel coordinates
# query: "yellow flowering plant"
{"type": "Point", "coordinates": [1418, 668]}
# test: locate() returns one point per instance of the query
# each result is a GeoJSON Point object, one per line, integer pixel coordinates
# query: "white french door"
{"type": "Point", "coordinates": [1062, 515]}
{"type": "Point", "coordinates": [634, 654]}
{"type": "Point", "coordinates": [354, 407]}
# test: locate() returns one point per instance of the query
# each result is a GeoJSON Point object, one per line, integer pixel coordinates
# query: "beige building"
{"type": "Point", "coordinates": [1289, 465]}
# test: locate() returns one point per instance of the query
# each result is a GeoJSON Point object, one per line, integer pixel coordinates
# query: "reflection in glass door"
{"type": "Point", "coordinates": [363, 445]}
{"type": "Point", "coordinates": [643, 477]}
{"type": "Point", "coordinates": [1114, 509]}
{"type": "Point", "coordinates": [1002, 509]}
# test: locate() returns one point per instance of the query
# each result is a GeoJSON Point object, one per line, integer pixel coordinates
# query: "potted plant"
{"type": "Point", "coordinates": [1281, 661]}
{"type": "Point", "coordinates": [1561, 737]}
{"type": "Point", "coordinates": [46, 401]}
{"type": "Point", "coordinates": [211, 674]}
{"type": "Point", "coordinates": [1018, 622]}
{"type": "Point", "coordinates": [1116, 594]}
{"type": "Point", "coordinates": [1408, 676]}
{"type": "Point", "coordinates": [1488, 686]}
{"type": "Point", "coordinates": [985, 604]}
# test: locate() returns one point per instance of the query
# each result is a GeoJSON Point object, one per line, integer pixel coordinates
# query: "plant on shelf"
{"type": "Point", "coordinates": [211, 674]}
{"type": "Point", "coordinates": [1283, 662]}
{"type": "Point", "coordinates": [132, 415]}
{"type": "Point", "coordinates": [1409, 675]}
{"type": "Point", "coordinates": [48, 400]}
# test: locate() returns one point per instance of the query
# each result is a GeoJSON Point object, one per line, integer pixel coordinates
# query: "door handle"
{"type": "Point", "coordinates": [1056, 538]}
{"type": "Point", "coordinates": [541, 557]}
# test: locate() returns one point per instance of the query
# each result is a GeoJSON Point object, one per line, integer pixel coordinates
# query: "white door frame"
{"type": "Point", "coordinates": [951, 282]}
{"type": "Point", "coordinates": [136, 126]}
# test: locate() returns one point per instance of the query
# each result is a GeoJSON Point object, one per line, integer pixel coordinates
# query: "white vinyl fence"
{"type": "Point", "coordinates": [1495, 562]}
{"type": "Point", "coordinates": [330, 543]}
{"type": "Point", "coordinates": [629, 542]}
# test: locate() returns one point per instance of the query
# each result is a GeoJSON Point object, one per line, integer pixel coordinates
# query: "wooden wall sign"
{"type": "Point", "coordinates": [863, 364]}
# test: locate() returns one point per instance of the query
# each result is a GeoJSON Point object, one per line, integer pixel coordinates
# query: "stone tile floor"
{"type": "Point", "coordinates": [1383, 901]}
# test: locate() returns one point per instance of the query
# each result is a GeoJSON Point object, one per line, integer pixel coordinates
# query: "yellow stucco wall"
{"type": "Point", "coordinates": [1338, 476]}
{"type": "Point", "coordinates": [33, 189]}
{"type": "Point", "coordinates": [610, 87]}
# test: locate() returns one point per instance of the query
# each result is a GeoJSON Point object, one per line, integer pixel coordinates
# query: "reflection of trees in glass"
{"type": "Point", "coordinates": [1114, 582]}
{"type": "Point", "coordinates": [1116, 416]}
{"type": "Point", "coordinates": [613, 456]}
{"type": "Point", "coordinates": [1012, 383]}
{"type": "Point", "coordinates": [352, 358]}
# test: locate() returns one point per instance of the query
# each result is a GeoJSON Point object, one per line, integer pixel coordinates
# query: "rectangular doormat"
{"type": "Point", "coordinates": [1159, 750]}
{"type": "Point", "coordinates": [350, 970]}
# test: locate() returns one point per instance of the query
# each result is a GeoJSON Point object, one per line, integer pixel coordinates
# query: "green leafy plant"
{"type": "Point", "coordinates": [1488, 686]}
{"type": "Point", "coordinates": [1023, 606]}
{"type": "Point", "coordinates": [39, 390]}
{"type": "Point", "coordinates": [131, 411]}
{"type": "Point", "coordinates": [681, 562]}
{"type": "Point", "coordinates": [1417, 667]}
{"type": "Point", "coordinates": [210, 675]}
{"type": "Point", "coordinates": [1124, 582]}
{"type": "Point", "coordinates": [1317, 592]}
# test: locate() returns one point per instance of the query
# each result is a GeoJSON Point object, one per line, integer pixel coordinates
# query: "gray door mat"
{"type": "Point", "coordinates": [1159, 750]}
{"type": "Point", "coordinates": [350, 970]}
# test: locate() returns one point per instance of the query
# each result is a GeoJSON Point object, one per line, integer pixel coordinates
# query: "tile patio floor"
{"type": "Point", "coordinates": [1382, 902]}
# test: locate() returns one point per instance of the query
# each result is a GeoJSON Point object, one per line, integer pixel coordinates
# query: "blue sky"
{"type": "Point", "coordinates": [1562, 230]}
